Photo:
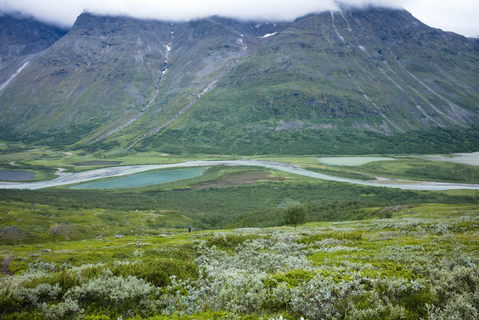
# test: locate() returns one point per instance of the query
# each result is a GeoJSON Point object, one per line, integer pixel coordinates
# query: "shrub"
{"type": "Point", "coordinates": [294, 277]}
{"type": "Point", "coordinates": [230, 240]}
{"type": "Point", "coordinates": [351, 236]}
{"type": "Point", "coordinates": [158, 272]}
{"type": "Point", "coordinates": [294, 214]}
{"type": "Point", "coordinates": [123, 296]}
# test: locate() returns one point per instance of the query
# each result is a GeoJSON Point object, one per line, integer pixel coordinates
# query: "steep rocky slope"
{"type": "Point", "coordinates": [319, 84]}
{"type": "Point", "coordinates": [22, 41]}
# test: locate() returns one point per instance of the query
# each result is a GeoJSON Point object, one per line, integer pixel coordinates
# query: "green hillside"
{"type": "Point", "coordinates": [355, 81]}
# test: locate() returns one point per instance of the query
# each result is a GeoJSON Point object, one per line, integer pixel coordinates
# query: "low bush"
{"type": "Point", "coordinates": [404, 268]}
{"type": "Point", "coordinates": [230, 240]}
{"type": "Point", "coordinates": [159, 271]}
{"type": "Point", "coordinates": [311, 239]}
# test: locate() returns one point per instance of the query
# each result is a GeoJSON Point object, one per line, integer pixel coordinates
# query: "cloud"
{"type": "Point", "coordinates": [460, 16]}
{"type": "Point", "coordinates": [65, 12]}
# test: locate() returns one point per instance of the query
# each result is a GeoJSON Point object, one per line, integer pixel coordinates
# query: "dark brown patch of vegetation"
{"type": "Point", "coordinates": [238, 179]}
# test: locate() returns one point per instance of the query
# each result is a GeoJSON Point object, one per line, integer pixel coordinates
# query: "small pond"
{"type": "Point", "coordinates": [16, 175]}
{"type": "Point", "coordinates": [142, 179]}
{"type": "Point", "coordinates": [350, 161]}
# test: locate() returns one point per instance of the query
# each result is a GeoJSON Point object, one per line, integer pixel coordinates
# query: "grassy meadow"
{"type": "Point", "coordinates": [421, 262]}
{"type": "Point", "coordinates": [361, 253]}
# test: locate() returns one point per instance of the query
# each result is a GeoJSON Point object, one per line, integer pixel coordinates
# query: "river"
{"type": "Point", "coordinates": [72, 178]}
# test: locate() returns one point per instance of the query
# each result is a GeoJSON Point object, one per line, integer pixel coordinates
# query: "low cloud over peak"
{"type": "Point", "coordinates": [64, 13]}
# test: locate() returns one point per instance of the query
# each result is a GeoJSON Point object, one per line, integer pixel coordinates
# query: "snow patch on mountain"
{"type": "Point", "coordinates": [268, 35]}
{"type": "Point", "coordinates": [14, 75]}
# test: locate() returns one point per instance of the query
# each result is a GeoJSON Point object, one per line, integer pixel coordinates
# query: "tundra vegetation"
{"type": "Point", "coordinates": [360, 252]}
{"type": "Point", "coordinates": [420, 263]}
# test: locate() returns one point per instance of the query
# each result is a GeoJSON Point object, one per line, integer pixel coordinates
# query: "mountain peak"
{"type": "Point", "coordinates": [213, 84]}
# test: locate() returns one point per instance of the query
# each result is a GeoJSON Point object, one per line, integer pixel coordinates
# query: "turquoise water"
{"type": "Point", "coordinates": [142, 179]}
{"type": "Point", "coordinates": [350, 161]}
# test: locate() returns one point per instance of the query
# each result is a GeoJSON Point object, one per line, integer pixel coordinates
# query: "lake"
{"type": "Point", "coordinates": [142, 179]}
{"type": "Point", "coordinates": [16, 175]}
{"type": "Point", "coordinates": [462, 158]}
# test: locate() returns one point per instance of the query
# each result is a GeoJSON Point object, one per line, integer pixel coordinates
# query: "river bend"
{"type": "Point", "coordinates": [72, 178]}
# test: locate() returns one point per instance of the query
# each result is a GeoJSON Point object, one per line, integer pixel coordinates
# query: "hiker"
{"type": "Point", "coordinates": [189, 229]}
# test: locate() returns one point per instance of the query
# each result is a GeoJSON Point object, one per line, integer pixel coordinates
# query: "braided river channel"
{"type": "Point", "coordinates": [130, 177]}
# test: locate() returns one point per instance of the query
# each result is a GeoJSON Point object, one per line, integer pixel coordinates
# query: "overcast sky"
{"type": "Point", "coordinates": [460, 16]}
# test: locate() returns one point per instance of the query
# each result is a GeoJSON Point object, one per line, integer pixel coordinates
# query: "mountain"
{"type": "Point", "coordinates": [22, 40]}
{"type": "Point", "coordinates": [352, 81]}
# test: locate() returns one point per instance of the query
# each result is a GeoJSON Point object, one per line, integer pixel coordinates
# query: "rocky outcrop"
{"type": "Point", "coordinates": [12, 233]}
{"type": "Point", "coordinates": [6, 264]}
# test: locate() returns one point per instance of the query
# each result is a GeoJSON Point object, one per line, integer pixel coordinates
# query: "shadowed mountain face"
{"type": "Point", "coordinates": [22, 40]}
{"type": "Point", "coordinates": [355, 81]}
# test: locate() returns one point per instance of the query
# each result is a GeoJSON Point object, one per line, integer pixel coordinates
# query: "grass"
{"type": "Point", "coordinates": [404, 167]}
{"type": "Point", "coordinates": [412, 246]}
{"type": "Point", "coordinates": [412, 168]}
{"type": "Point", "coordinates": [104, 250]}
{"type": "Point", "coordinates": [46, 156]}
{"type": "Point", "coordinates": [368, 234]}
{"type": "Point", "coordinates": [340, 173]}
{"type": "Point", "coordinates": [44, 223]}
{"type": "Point", "coordinates": [58, 214]}
{"type": "Point", "coordinates": [296, 160]}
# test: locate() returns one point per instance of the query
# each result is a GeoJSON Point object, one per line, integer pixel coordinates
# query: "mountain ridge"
{"type": "Point", "coordinates": [118, 82]}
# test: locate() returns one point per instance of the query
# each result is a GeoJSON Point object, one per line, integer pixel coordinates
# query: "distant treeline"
{"type": "Point", "coordinates": [330, 141]}
{"type": "Point", "coordinates": [241, 141]}
{"type": "Point", "coordinates": [258, 205]}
